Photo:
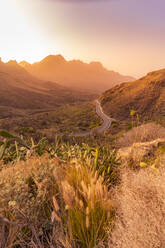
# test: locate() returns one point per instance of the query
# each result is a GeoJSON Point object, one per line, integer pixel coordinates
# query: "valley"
{"type": "Point", "coordinates": [23, 93]}
{"type": "Point", "coordinates": [62, 120]}
{"type": "Point", "coordinates": [31, 106]}
{"type": "Point", "coordinates": [28, 104]}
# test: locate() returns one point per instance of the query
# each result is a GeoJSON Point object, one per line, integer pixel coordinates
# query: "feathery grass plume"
{"type": "Point", "coordinates": [55, 217]}
{"type": "Point", "coordinates": [87, 218]}
{"type": "Point", "coordinates": [55, 204]}
{"type": "Point", "coordinates": [87, 205]}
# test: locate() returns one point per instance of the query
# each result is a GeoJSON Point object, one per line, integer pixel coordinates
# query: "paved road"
{"type": "Point", "coordinates": [107, 121]}
{"type": "Point", "coordinates": [105, 125]}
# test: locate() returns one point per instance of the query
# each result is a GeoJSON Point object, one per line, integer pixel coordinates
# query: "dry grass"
{"type": "Point", "coordinates": [140, 220]}
{"type": "Point", "coordinates": [68, 208]}
{"type": "Point", "coordinates": [25, 183]}
{"type": "Point", "coordinates": [87, 209]}
{"type": "Point", "coordinates": [25, 199]}
{"type": "Point", "coordinates": [143, 133]}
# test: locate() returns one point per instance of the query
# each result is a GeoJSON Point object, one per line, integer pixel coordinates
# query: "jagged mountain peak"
{"type": "Point", "coordinates": [76, 73]}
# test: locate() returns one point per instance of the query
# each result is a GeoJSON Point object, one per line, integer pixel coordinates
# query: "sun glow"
{"type": "Point", "coordinates": [20, 39]}
{"type": "Point", "coordinates": [105, 31]}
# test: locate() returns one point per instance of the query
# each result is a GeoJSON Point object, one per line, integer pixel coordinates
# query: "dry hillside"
{"type": "Point", "coordinates": [145, 95]}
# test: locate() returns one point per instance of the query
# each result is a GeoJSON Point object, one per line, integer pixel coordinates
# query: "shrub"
{"type": "Point", "coordinates": [26, 195]}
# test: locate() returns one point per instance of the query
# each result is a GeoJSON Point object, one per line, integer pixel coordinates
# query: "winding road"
{"type": "Point", "coordinates": [107, 121]}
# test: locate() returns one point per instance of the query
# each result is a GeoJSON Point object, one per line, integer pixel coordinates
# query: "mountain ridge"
{"type": "Point", "coordinates": [75, 73]}
{"type": "Point", "coordinates": [21, 92]}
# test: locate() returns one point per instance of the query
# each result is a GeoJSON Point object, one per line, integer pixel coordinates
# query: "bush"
{"type": "Point", "coordinates": [25, 197]}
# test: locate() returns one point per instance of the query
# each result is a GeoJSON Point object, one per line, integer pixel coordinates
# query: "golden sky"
{"type": "Point", "coordinates": [125, 35]}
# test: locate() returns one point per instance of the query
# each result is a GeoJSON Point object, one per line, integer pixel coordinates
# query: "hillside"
{"type": "Point", "coordinates": [75, 73]}
{"type": "Point", "coordinates": [145, 96]}
{"type": "Point", "coordinates": [21, 92]}
{"type": "Point", "coordinates": [67, 194]}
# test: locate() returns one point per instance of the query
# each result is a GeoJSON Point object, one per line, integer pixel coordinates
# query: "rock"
{"type": "Point", "coordinates": [138, 151]}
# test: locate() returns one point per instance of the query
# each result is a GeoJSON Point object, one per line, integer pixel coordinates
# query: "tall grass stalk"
{"type": "Point", "coordinates": [86, 206]}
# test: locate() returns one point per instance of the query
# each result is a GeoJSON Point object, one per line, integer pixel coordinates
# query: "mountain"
{"type": "Point", "coordinates": [75, 73]}
{"type": "Point", "coordinates": [21, 92]}
{"type": "Point", "coordinates": [146, 96]}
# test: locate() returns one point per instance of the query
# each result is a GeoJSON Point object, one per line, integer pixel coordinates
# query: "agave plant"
{"type": "Point", "coordinates": [101, 159]}
{"type": "Point", "coordinates": [15, 148]}
{"type": "Point", "coordinates": [107, 165]}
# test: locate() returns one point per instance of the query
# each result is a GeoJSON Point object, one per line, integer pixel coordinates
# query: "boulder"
{"type": "Point", "coordinates": [138, 151]}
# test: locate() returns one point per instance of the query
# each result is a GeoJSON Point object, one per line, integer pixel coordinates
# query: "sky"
{"type": "Point", "coordinates": [127, 36]}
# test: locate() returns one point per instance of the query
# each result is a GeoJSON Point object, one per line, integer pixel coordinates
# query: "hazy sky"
{"type": "Point", "coordinates": [127, 36]}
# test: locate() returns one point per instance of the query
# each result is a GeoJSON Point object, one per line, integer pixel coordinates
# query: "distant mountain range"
{"type": "Point", "coordinates": [21, 92]}
{"type": "Point", "coordinates": [146, 96]}
{"type": "Point", "coordinates": [75, 73]}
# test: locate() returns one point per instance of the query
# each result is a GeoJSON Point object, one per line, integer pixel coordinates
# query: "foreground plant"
{"type": "Point", "coordinates": [86, 211]}
{"type": "Point", "coordinates": [25, 199]}
{"type": "Point", "coordinates": [14, 148]}
{"type": "Point", "coordinates": [82, 204]}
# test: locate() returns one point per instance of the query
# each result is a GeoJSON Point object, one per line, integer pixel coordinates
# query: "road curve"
{"type": "Point", "coordinates": [107, 121]}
